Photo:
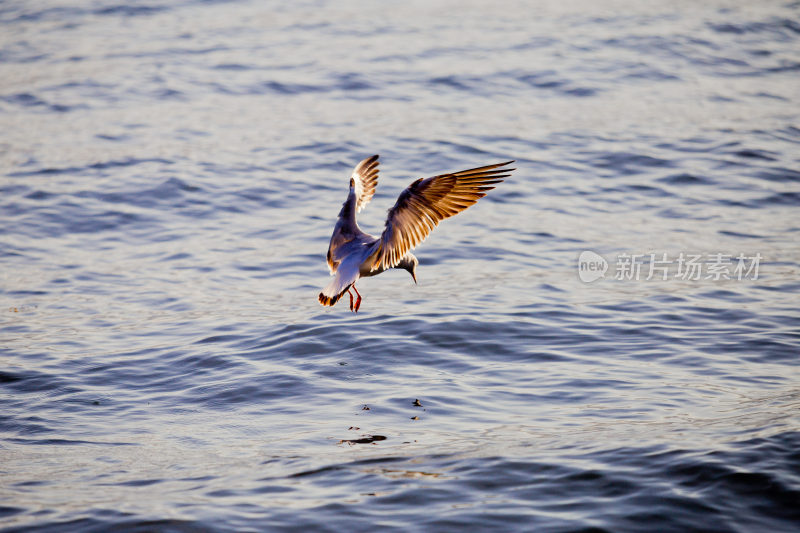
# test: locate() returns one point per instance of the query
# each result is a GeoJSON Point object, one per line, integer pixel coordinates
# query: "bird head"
{"type": "Point", "coordinates": [411, 267]}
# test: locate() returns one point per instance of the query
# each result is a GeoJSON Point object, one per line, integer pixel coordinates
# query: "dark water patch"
{"type": "Point", "coordinates": [750, 477]}
{"type": "Point", "coordinates": [550, 80]}
{"type": "Point", "coordinates": [785, 28]}
{"type": "Point", "coordinates": [335, 148]}
{"type": "Point", "coordinates": [233, 67]}
{"type": "Point", "coordinates": [171, 194]}
{"type": "Point", "coordinates": [542, 80]}
{"type": "Point", "coordinates": [31, 382]}
{"type": "Point", "coordinates": [9, 377]}
{"type": "Point", "coordinates": [782, 198]}
{"type": "Point", "coordinates": [67, 442]}
{"type": "Point", "coordinates": [198, 364]}
{"type": "Point", "coordinates": [40, 195]}
{"type": "Point", "coordinates": [718, 312]}
{"type": "Point", "coordinates": [352, 81]}
{"type": "Point", "coordinates": [169, 94]}
{"type": "Point", "coordinates": [6, 511]}
{"type": "Point", "coordinates": [460, 83]}
{"type": "Point", "coordinates": [31, 101]}
{"type": "Point", "coordinates": [785, 66]}
{"type": "Point", "coordinates": [177, 257]}
{"type": "Point", "coordinates": [581, 91]}
{"type": "Point", "coordinates": [167, 52]}
{"type": "Point", "coordinates": [66, 220]}
{"type": "Point", "coordinates": [698, 145]}
{"type": "Point", "coordinates": [763, 94]}
{"type": "Point", "coordinates": [731, 296]}
{"type": "Point", "coordinates": [734, 203]}
{"type": "Point", "coordinates": [779, 175]}
{"type": "Point", "coordinates": [94, 166]}
{"type": "Point", "coordinates": [76, 13]}
{"type": "Point", "coordinates": [20, 53]}
{"type": "Point", "coordinates": [463, 148]}
{"type": "Point", "coordinates": [27, 426]}
{"type": "Point", "coordinates": [175, 370]}
{"type": "Point", "coordinates": [221, 338]}
{"type": "Point", "coordinates": [755, 350]}
{"type": "Point", "coordinates": [522, 340]}
{"type": "Point", "coordinates": [641, 71]}
{"type": "Point", "coordinates": [625, 163]}
{"type": "Point", "coordinates": [117, 521]}
{"type": "Point", "coordinates": [25, 292]}
{"type": "Point", "coordinates": [755, 154]}
{"type": "Point", "coordinates": [126, 10]}
{"type": "Point", "coordinates": [283, 88]}
{"type": "Point", "coordinates": [298, 338]}
{"type": "Point", "coordinates": [256, 389]}
{"type": "Point", "coordinates": [645, 190]}
{"type": "Point", "coordinates": [137, 483]}
{"type": "Point", "coordinates": [740, 234]}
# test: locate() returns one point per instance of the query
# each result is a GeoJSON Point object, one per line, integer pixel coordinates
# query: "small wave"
{"type": "Point", "coordinates": [685, 179]}
{"type": "Point", "coordinates": [68, 442]}
{"type": "Point", "coordinates": [71, 13]}
{"type": "Point", "coordinates": [779, 174]}
{"type": "Point", "coordinates": [782, 198]}
{"type": "Point", "coordinates": [781, 26]}
{"type": "Point", "coordinates": [32, 101]}
{"type": "Point", "coordinates": [102, 165]}
{"type": "Point", "coordinates": [756, 154]}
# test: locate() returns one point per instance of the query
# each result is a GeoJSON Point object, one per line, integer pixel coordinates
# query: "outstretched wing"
{"type": "Point", "coordinates": [365, 176]}
{"type": "Point", "coordinates": [364, 180]}
{"type": "Point", "coordinates": [425, 203]}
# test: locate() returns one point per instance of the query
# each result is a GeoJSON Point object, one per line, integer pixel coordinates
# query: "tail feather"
{"type": "Point", "coordinates": [346, 274]}
{"type": "Point", "coordinates": [340, 284]}
{"type": "Point", "coordinates": [331, 300]}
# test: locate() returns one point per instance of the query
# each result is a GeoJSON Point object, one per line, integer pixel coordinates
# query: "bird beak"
{"type": "Point", "coordinates": [414, 275]}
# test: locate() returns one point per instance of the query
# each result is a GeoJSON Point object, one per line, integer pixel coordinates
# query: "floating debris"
{"type": "Point", "coordinates": [365, 408]}
{"type": "Point", "coordinates": [25, 308]}
{"type": "Point", "coordinates": [416, 403]}
{"type": "Point", "coordinates": [364, 440]}
{"type": "Point", "coordinates": [414, 418]}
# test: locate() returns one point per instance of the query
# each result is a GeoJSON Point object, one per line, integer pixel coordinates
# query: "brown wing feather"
{"type": "Point", "coordinates": [425, 203]}
{"type": "Point", "coordinates": [365, 176]}
{"type": "Point", "coordinates": [332, 265]}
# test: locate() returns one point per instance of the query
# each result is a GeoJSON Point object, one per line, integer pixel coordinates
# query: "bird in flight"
{"type": "Point", "coordinates": [353, 254]}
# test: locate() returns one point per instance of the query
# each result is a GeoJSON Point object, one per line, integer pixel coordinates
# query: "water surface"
{"type": "Point", "coordinates": [169, 177]}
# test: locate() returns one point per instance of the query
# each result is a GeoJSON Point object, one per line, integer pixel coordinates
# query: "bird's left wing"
{"type": "Point", "coordinates": [425, 203]}
{"type": "Point", "coordinates": [365, 176]}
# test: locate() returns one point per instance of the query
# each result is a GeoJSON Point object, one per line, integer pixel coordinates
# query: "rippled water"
{"type": "Point", "coordinates": [171, 173]}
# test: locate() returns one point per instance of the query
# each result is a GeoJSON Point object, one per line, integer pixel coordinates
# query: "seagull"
{"type": "Point", "coordinates": [353, 254]}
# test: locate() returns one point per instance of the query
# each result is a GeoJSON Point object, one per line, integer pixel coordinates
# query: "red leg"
{"type": "Point", "coordinates": [358, 299]}
{"type": "Point", "coordinates": [350, 294]}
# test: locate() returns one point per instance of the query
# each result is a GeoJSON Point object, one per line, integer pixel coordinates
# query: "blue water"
{"type": "Point", "coordinates": [170, 174]}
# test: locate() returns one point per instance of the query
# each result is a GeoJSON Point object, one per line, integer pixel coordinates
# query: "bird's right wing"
{"type": "Point", "coordinates": [365, 176]}
{"type": "Point", "coordinates": [425, 203]}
